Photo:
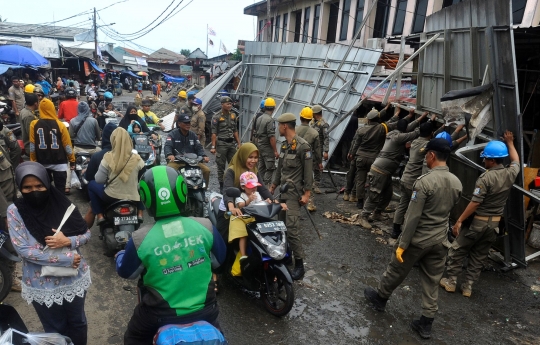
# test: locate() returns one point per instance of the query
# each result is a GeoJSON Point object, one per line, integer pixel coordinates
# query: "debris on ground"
{"type": "Point", "coordinates": [340, 218]}
{"type": "Point", "coordinates": [381, 240]}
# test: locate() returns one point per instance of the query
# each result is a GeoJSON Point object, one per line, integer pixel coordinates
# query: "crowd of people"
{"type": "Point", "coordinates": [428, 193]}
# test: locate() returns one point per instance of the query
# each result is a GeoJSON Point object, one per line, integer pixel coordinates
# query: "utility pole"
{"type": "Point", "coordinates": [95, 39]}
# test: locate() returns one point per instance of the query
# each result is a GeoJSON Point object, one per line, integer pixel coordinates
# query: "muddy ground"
{"type": "Point", "coordinates": [330, 307]}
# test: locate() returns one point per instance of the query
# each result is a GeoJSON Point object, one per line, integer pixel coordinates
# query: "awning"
{"type": "Point", "coordinates": [96, 67]}
{"type": "Point", "coordinates": [4, 68]}
{"type": "Point", "coordinates": [170, 78]}
{"type": "Point", "coordinates": [128, 72]}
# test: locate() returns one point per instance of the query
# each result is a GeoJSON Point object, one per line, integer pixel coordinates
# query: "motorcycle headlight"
{"type": "Point", "coordinates": [275, 252]}
{"type": "Point", "coordinates": [192, 173]}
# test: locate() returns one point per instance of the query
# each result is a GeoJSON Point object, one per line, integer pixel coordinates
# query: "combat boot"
{"type": "Point", "coordinates": [363, 222]}
{"type": "Point", "coordinates": [376, 216]}
{"type": "Point", "coordinates": [298, 270]}
{"type": "Point", "coordinates": [396, 231]}
{"type": "Point", "coordinates": [346, 196]}
{"type": "Point", "coordinates": [466, 289]}
{"type": "Point", "coordinates": [373, 297]}
{"type": "Point", "coordinates": [423, 326]}
{"type": "Point", "coordinates": [449, 284]}
{"type": "Point", "coordinates": [360, 204]}
{"type": "Point", "coordinates": [353, 198]}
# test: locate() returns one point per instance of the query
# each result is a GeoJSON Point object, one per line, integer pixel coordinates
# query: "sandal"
{"type": "Point", "coordinates": [67, 191]}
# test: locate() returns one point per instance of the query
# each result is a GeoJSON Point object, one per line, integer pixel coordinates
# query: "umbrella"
{"type": "Point", "coordinates": [144, 74]}
{"type": "Point", "coordinates": [21, 56]}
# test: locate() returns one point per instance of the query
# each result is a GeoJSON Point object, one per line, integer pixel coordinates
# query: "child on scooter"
{"type": "Point", "coordinates": [134, 128]}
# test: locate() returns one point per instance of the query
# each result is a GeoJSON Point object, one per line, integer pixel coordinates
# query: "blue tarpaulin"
{"type": "Point", "coordinates": [128, 72]}
{"type": "Point", "coordinates": [4, 68]}
{"type": "Point", "coordinates": [96, 67]}
{"type": "Point", "coordinates": [170, 78]}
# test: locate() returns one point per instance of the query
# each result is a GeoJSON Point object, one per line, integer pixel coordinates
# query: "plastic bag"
{"type": "Point", "coordinates": [35, 338]}
{"type": "Point", "coordinates": [75, 182]}
{"type": "Point", "coordinates": [200, 332]}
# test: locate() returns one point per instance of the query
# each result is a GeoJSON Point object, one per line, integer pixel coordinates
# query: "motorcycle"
{"type": "Point", "coordinates": [195, 183]}
{"type": "Point", "coordinates": [155, 141]}
{"type": "Point", "coordinates": [82, 159]}
{"type": "Point", "coordinates": [6, 112]}
{"type": "Point", "coordinates": [264, 273]}
{"type": "Point", "coordinates": [144, 147]}
{"type": "Point", "coordinates": [120, 223]}
{"type": "Point", "coordinates": [5, 273]}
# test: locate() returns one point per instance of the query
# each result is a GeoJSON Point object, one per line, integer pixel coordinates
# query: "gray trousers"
{"type": "Point", "coordinates": [292, 220]}
{"type": "Point", "coordinates": [380, 192]}
{"type": "Point", "coordinates": [431, 260]}
{"type": "Point", "coordinates": [474, 241]}
{"type": "Point", "coordinates": [351, 176]}
{"type": "Point", "coordinates": [362, 168]}
{"type": "Point", "coordinates": [399, 215]}
{"type": "Point", "coordinates": [224, 153]}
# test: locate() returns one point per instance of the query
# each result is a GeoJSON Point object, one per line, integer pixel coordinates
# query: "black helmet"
{"type": "Point", "coordinates": [70, 93]}
{"type": "Point", "coordinates": [163, 191]}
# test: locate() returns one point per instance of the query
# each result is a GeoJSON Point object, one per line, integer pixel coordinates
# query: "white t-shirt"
{"type": "Point", "coordinates": [243, 197]}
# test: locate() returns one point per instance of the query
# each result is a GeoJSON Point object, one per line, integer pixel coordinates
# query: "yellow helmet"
{"type": "Point", "coordinates": [307, 113]}
{"type": "Point", "coordinates": [270, 103]}
{"type": "Point", "coordinates": [182, 94]}
{"type": "Point", "coordinates": [29, 88]}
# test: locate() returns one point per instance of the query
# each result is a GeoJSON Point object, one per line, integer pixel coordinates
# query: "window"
{"type": "Point", "coordinates": [359, 15]}
{"type": "Point", "coordinates": [518, 10]}
{"type": "Point", "coordinates": [447, 3]}
{"type": "Point", "coordinates": [260, 31]}
{"type": "Point", "coordinates": [316, 19]}
{"type": "Point", "coordinates": [276, 32]}
{"type": "Point", "coordinates": [297, 25]}
{"type": "Point", "coordinates": [401, 11]}
{"type": "Point", "coordinates": [345, 13]}
{"type": "Point", "coordinates": [332, 22]}
{"type": "Point", "coordinates": [284, 28]}
{"type": "Point", "coordinates": [270, 30]}
{"type": "Point", "coordinates": [305, 30]}
{"type": "Point", "coordinates": [419, 16]}
{"type": "Point", "coordinates": [381, 19]}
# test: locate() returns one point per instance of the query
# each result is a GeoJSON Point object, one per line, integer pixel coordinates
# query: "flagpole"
{"type": "Point", "coordinates": [206, 40]}
{"type": "Point", "coordinates": [219, 49]}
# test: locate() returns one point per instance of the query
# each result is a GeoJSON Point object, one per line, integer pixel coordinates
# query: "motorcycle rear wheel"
{"type": "Point", "coordinates": [278, 295]}
{"type": "Point", "coordinates": [5, 281]}
{"type": "Point", "coordinates": [195, 207]}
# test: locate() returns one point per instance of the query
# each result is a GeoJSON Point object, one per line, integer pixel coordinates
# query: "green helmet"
{"type": "Point", "coordinates": [163, 191]}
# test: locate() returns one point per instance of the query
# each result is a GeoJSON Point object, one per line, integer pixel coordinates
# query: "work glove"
{"type": "Point", "coordinates": [399, 253]}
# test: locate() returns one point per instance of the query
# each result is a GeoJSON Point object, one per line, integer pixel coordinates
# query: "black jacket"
{"type": "Point", "coordinates": [177, 143]}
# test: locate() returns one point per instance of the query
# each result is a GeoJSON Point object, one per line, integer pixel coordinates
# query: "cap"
{"type": "Point", "coordinates": [372, 114]}
{"type": "Point", "coordinates": [249, 179]}
{"type": "Point", "coordinates": [226, 100]}
{"type": "Point", "coordinates": [286, 117]}
{"type": "Point", "coordinates": [183, 118]}
{"type": "Point", "coordinates": [197, 101]}
{"type": "Point", "coordinates": [316, 109]}
{"type": "Point", "coordinates": [439, 145]}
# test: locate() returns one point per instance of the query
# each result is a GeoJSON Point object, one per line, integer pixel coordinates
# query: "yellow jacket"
{"type": "Point", "coordinates": [149, 114]}
{"type": "Point", "coordinates": [48, 112]}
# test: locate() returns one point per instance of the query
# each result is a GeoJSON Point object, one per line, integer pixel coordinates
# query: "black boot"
{"type": "Point", "coordinates": [298, 271]}
{"type": "Point", "coordinates": [221, 188]}
{"type": "Point", "coordinates": [360, 204]}
{"type": "Point", "coordinates": [373, 297]}
{"type": "Point", "coordinates": [396, 231]}
{"type": "Point", "coordinates": [423, 326]}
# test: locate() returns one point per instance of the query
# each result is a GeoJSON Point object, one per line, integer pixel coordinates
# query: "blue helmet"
{"type": "Point", "coordinates": [446, 136]}
{"type": "Point", "coordinates": [223, 93]}
{"type": "Point", "coordinates": [191, 94]}
{"type": "Point", "coordinates": [108, 95]}
{"type": "Point", "coordinates": [495, 149]}
{"type": "Point", "coordinates": [262, 104]}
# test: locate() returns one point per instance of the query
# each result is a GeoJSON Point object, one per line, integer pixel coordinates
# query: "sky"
{"type": "Point", "coordinates": [185, 30]}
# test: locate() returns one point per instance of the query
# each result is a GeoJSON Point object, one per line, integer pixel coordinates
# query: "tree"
{"type": "Point", "coordinates": [237, 55]}
{"type": "Point", "coordinates": [185, 52]}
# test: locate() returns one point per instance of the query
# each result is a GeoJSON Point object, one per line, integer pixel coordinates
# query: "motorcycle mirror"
{"type": "Point", "coordinates": [284, 188]}
{"type": "Point", "coordinates": [233, 192]}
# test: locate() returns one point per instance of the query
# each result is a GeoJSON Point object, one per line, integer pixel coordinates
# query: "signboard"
{"type": "Point", "coordinates": [185, 69]}
{"type": "Point", "coordinates": [46, 47]}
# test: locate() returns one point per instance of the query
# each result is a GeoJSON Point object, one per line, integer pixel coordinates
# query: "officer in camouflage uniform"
{"type": "Point", "coordinates": [187, 107]}
{"type": "Point", "coordinates": [486, 207]}
{"type": "Point", "coordinates": [424, 238]}
{"type": "Point", "coordinates": [320, 124]}
{"type": "Point", "coordinates": [294, 163]}
{"type": "Point", "coordinates": [312, 137]}
{"type": "Point", "coordinates": [224, 134]}
{"type": "Point", "coordinates": [265, 139]}
{"type": "Point", "coordinates": [198, 121]}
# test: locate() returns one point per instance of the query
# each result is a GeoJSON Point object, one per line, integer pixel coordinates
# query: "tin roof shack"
{"type": "Point", "coordinates": [482, 46]}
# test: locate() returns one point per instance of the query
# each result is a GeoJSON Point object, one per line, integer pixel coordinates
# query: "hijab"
{"type": "Point", "coordinates": [126, 120]}
{"type": "Point", "coordinates": [48, 215]}
{"type": "Point", "coordinates": [83, 111]}
{"type": "Point", "coordinates": [120, 159]}
{"type": "Point", "coordinates": [238, 162]}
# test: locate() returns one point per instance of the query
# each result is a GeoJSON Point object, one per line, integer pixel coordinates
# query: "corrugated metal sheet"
{"type": "Point", "coordinates": [304, 87]}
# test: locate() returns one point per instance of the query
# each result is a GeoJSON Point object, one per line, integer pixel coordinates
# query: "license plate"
{"type": "Point", "coordinates": [3, 238]}
{"type": "Point", "coordinates": [274, 226]}
{"type": "Point", "coordinates": [125, 220]}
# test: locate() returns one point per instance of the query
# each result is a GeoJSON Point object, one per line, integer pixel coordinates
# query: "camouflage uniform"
{"type": "Point", "coordinates": [198, 122]}
{"type": "Point", "coordinates": [224, 125]}
{"type": "Point", "coordinates": [320, 126]}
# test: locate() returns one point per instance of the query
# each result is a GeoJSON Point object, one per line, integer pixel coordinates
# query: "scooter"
{"type": "Point", "coordinates": [195, 183]}
{"type": "Point", "coordinates": [264, 272]}
{"type": "Point", "coordinates": [120, 223]}
{"type": "Point", "coordinates": [5, 274]}
{"type": "Point", "coordinates": [144, 148]}
{"type": "Point", "coordinates": [6, 112]}
{"type": "Point", "coordinates": [155, 140]}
